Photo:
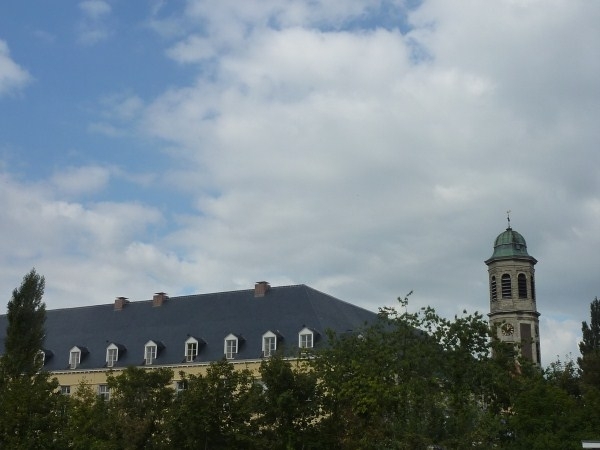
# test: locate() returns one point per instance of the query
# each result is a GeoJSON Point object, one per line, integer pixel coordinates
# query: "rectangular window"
{"type": "Point", "coordinates": [306, 340]}
{"type": "Point", "coordinates": [65, 390]}
{"type": "Point", "coordinates": [112, 355]}
{"type": "Point", "coordinates": [180, 386]}
{"type": "Point", "coordinates": [522, 284]}
{"type": "Point", "coordinates": [526, 341]}
{"type": "Point", "coordinates": [191, 351]}
{"type": "Point", "coordinates": [74, 359]}
{"type": "Point", "coordinates": [506, 286]}
{"type": "Point", "coordinates": [103, 391]}
{"type": "Point", "coordinates": [150, 354]}
{"type": "Point", "coordinates": [230, 348]}
{"type": "Point", "coordinates": [269, 345]}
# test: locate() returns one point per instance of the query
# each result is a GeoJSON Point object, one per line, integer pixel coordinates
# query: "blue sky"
{"type": "Point", "coordinates": [364, 148]}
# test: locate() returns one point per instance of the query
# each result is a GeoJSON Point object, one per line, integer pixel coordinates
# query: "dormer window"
{"type": "Point", "coordinates": [112, 354]}
{"type": "Point", "coordinates": [151, 350]}
{"type": "Point", "coordinates": [231, 346]}
{"type": "Point", "coordinates": [269, 344]}
{"type": "Point", "coordinates": [40, 358]}
{"type": "Point", "coordinates": [74, 357]}
{"type": "Point", "coordinates": [191, 349]}
{"type": "Point", "coordinates": [306, 338]}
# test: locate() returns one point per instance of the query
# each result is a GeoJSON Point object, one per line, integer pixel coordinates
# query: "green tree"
{"type": "Point", "coordinates": [216, 410]}
{"type": "Point", "coordinates": [589, 362]}
{"type": "Point", "coordinates": [290, 407]}
{"type": "Point", "coordinates": [140, 401]}
{"type": "Point", "coordinates": [26, 314]}
{"type": "Point", "coordinates": [413, 380]}
{"type": "Point", "coordinates": [543, 416]}
{"type": "Point", "coordinates": [30, 408]}
{"type": "Point", "coordinates": [89, 425]}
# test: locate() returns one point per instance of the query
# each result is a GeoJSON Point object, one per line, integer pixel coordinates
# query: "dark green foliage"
{"type": "Point", "coordinates": [30, 409]}
{"type": "Point", "coordinates": [543, 417]}
{"type": "Point", "coordinates": [409, 381]}
{"type": "Point", "coordinates": [589, 362]}
{"type": "Point", "coordinates": [26, 314]}
{"type": "Point", "coordinates": [90, 425]}
{"type": "Point", "coordinates": [216, 410]}
{"type": "Point", "coordinates": [290, 407]}
{"type": "Point", "coordinates": [139, 404]}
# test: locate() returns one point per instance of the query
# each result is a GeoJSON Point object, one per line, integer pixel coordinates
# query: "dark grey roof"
{"type": "Point", "coordinates": [284, 310]}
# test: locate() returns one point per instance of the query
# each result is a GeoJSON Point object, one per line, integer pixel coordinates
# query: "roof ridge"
{"type": "Point", "coordinates": [132, 302]}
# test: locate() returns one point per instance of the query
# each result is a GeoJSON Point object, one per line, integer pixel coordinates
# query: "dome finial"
{"type": "Point", "coordinates": [508, 218]}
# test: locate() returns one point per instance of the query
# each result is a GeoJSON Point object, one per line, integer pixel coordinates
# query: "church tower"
{"type": "Point", "coordinates": [512, 294]}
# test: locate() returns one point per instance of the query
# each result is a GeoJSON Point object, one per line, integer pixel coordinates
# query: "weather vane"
{"type": "Point", "coordinates": [508, 218]}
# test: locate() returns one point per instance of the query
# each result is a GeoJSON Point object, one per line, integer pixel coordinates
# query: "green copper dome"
{"type": "Point", "coordinates": [510, 244]}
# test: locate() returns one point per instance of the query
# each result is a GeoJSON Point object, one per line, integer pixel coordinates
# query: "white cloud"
{"type": "Point", "coordinates": [192, 49]}
{"type": "Point", "coordinates": [318, 148]}
{"type": "Point", "coordinates": [93, 26]}
{"type": "Point", "coordinates": [12, 76]}
{"type": "Point", "coordinates": [95, 9]}
{"type": "Point", "coordinates": [559, 339]}
{"type": "Point", "coordinates": [82, 249]}
{"type": "Point", "coordinates": [81, 180]}
{"type": "Point", "coordinates": [335, 155]}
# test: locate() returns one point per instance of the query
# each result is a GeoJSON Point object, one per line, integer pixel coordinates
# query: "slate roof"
{"type": "Point", "coordinates": [284, 310]}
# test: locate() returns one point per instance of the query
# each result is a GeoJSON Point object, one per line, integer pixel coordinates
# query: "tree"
{"type": "Point", "coordinates": [414, 380]}
{"type": "Point", "coordinates": [589, 362]}
{"type": "Point", "coordinates": [26, 314]}
{"type": "Point", "coordinates": [290, 406]}
{"type": "Point", "coordinates": [89, 425]}
{"type": "Point", "coordinates": [543, 416]}
{"type": "Point", "coordinates": [216, 410]}
{"type": "Point", "coordinates": [30, 413]}
{"type": "Point", "coordinates": [139, 404]}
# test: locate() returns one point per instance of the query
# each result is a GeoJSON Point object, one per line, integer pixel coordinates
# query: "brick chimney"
{"type": "Point", "coordinates": [159, 298]}
{"type": "Point", "coordinates": [120, 303]}
{"type": "Point", "coordinates": [261, 288]}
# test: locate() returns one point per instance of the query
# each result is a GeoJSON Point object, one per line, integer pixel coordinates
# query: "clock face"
{"type": "Point", "coordinates": [507, 329]}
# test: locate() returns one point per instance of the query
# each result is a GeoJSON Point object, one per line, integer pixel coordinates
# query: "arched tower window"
{"type": "Point", "coordinates": [532, 288]}
{"type": "Point", "coordinates": [506, 287]}
{"type": "Point", "coordinates": [522, 283]}
{"type": "Point", "coordinates": [493, 290]}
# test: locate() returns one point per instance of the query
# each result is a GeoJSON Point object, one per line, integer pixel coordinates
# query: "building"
{"type": "Point", "coordinates": [188, 333]}
{"type": "Point", "coordinates": [513, 308]}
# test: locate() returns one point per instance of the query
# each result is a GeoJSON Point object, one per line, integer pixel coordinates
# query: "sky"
{"type": "Point", "coordinates": [364, 148]}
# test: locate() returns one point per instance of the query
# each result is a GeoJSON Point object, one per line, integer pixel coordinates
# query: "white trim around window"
{"type": "Point", "coordinates": [269, 344]}
{"type": "Point", "coordinates": [230, 347]}
{"type": "Point", "coordinates": [104, 391]}
{"type": "Point", "coordinates": [306, 338]}
{"type": "Point", "coordinates": [74, 357]}
{"type": "Point", "coordinates": [112, 355]}
{"type": "Point", "coordinates": [150, 352]}
{"type": "Point", "coordinates": [191, 349]}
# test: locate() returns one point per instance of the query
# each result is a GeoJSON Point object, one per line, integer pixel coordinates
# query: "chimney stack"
{"type": "Point", "coordinates": [159, 298]}
{"type": "Point", "coordinates": [261, 288]}
{"type": "Point", "coordinates": [120, 303]}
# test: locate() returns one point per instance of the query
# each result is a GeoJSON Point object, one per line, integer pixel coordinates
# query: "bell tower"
{"type": "Point", "coordinates": [513, 308]}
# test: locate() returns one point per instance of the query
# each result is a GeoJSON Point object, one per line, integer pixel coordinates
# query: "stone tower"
{"type": "Point", "coordinates": [512, 294]}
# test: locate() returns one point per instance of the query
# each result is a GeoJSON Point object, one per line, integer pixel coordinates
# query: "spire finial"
{"type": "Point", "coordinates": [508, 219]}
